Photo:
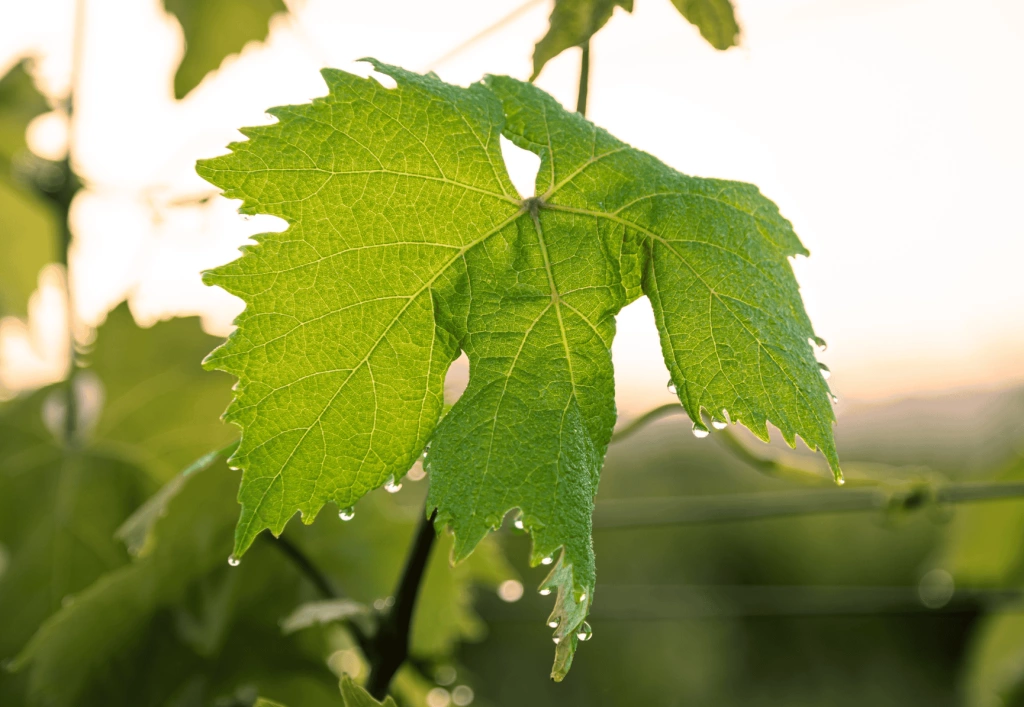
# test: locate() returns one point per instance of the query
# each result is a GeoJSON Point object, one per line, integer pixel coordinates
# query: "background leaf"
{"type": "Point", "coordinates": [213, 30]}
{"type": "Point", "coordinates": [28, 225]}
{"type": "Point", "coordinates": [574, 22]}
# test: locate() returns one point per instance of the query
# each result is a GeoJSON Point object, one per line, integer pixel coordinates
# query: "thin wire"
{"type": "Point", "coordinates": [487, 31]}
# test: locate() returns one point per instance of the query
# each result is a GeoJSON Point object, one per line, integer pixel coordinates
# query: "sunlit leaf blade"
{"type": "Point", "coordinates": [574, 22]}
{"type": "Point", "coordinates": [28, 225]}
{"type": "Point", "coordinates": [713, 257]}
{"type": "Point", "coordinates": [356, 696]}
{"type": "Point", "coordinates": [215, 29]}
{"type": "Point", "coordinates": [715, 19]}
{"type": "Point", "coordinates": [407, 243]}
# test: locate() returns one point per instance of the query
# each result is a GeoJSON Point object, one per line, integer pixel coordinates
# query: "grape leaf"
{"type": "Point", "coordinates": [407, 243]}
{"type": "Point", "coordinates": [60, 502]}
{"type": "Point", "coordinates": [356, 696]}
{"type": "Point", "coordinates": [181, 539]}
{"type": "Point", "coordinates": [574, 22]}
{"type": "Point", "coordinates": [160, 407]}
{"type": "Point", "coordinates": [27, 222]}
{"type": "Point", "coordinates": [213, 30]}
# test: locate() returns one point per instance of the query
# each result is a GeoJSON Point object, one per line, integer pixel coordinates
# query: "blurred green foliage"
{"type": "Point", "coordinates": [213, 30]}
{"type": "Point", "coordinates": [28, 225]}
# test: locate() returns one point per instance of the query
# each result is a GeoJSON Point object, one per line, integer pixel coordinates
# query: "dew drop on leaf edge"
{"type": "Point", "coordinates": [547, 560]}
{"type": "Point", "coordinates": [671, 387]}
{"type": "Point", "coordinates": [519, 524]}
{"type": "Point", "coordinates": [553, 623]}
{"type": "Point", "coordinates": [700, 431]}
{"type": "Point", "coordinates": [391, 487]}
{"type": "Point", "coordinates": [347, 513]}
{"type": "Point", "coordinates": [234, 561]}
{"type": "Point", "coordinates": [719, 425]}
{"type": "Point", "coordinates": [545, 592]}
{"type": "Point", "coordinates": [584, 633]}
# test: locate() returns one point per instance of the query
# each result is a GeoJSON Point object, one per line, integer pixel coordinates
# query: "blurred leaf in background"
{"type": "Point", "coordinates": [986, 549]}
{"type": "Point", "coordinates": [28, 224]}
{"type": "Point", "coordinates": [62, 499]}
{"type": "Point", "coordinates": [574, 22]}
{"type": "Point", "coordinates": [216, 627]}
{"type": "Point", "coordinates": [215, 29]}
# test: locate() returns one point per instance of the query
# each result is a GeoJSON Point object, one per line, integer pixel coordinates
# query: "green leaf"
{"type": "Point", "coordinates": [27, 221]}
{"type": "Point", "coordinates": [319, 613]}
{"type": "Point", "coordinates": [61, 503]}
{"type": "Point", "coordinates": [73, 647]}
{"type": "Point", "coordinates": [574, 22]}
{"type": "Point", "coordinates": [213, 30]}
{"type": "Point", "coordinates": [161, 409]}
{"type": "Point", "coordinates": [715, 19]}
{"type": "Point", "coordinates": [407, 243]}
{"type": "Point", "coordinates": [267, 703]}
{"type": "Point", "coordinates": [356, 696]}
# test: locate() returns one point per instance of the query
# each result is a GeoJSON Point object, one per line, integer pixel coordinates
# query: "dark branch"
{"type": "Point", "coordinates": [317, 578]}
{"type": "Point", "coordinates": [389, 648]}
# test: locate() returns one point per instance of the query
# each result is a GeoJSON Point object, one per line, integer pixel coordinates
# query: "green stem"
{"type": "Point", "coordinates": [584, 88]}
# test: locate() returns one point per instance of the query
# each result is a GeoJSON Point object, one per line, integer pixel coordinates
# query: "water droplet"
{"type": "Point", "coordinates": [545, 592]}
{"type": "Point", "coordinates": [825, 373]}
{"type": "Point", "coordinates": [835, 400]}
{"type": "Point", "coordinates": [719, 425]}
{"type": "Point", "coordinates": [547, 560]}
{"type": "Point", "coordinates": [234, 561]}
{"type": "Point", "coordinates": [585, 633]}
{"type": "Point", "coordinates": [553, 623]}
{"type": "Point", "coordinates": [840, 481]}
{"type": "Point", "coordinates": [391, 487]}
{"type": "Point", "coordinates": [700, 431]}
{"type": "Point", "coordinates": [556, 639]}
{"type": "Point", "coordinates": [583, 597]}
{"type": "Point", "coordinates": [671, 387]}
{"type": "Point", "coordinates": [426, 451]}
{"type": "Point", "coordinates": [347, 513]}
{"type": "Point", "coordinates": [519, 523]}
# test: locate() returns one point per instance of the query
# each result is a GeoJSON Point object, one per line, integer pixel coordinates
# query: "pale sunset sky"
{"type": "Point", "coordinates": [888, 131]}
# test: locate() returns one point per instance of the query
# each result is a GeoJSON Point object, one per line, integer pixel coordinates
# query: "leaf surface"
{"type": "Point", "coordinates": [215, 29]}
{"type": "Point", "coordinates": [574, 22]}
{"type": "Point", "coordinates": [356, 696]}
{"type": "Point", "coordinates": [407, 243]}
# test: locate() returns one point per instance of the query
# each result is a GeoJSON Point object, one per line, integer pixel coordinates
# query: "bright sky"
{"type": "Point", "coordinates": [888, 131]}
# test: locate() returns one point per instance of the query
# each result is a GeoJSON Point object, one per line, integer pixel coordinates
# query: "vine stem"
{"type": "Point", "coordinates": [584, 87]}
{"type": "Point", "coordinates": [389, 647]}
{"type": "Point", "coordinates": [317, 578]}
{"type": "Point", "coordinates": [62, 199]}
